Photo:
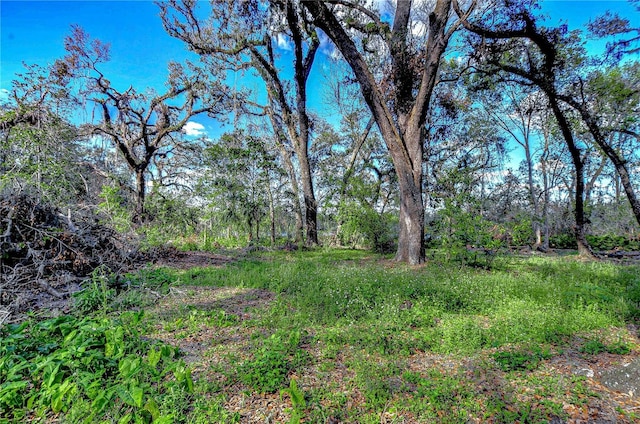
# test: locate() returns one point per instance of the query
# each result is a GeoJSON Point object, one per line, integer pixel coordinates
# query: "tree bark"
{"type": "Point", "coordinates": [272, 214]}
{"type": "Point", "coordinates": [302, 68]}
{"type": "Point", "coordinates": [545, 206]}
{"type": "Point", "coordinates": [141, 194]}
{"type": "Point", "coordinates": [401, 113]}
{"type": "Point", "coordinates": [619, 163]}
{"type": "Point", "coordinates": [310, 203]}
{"type": "Point", "coordinates": [411, 238]}
{"type": "Point", "coordinates": [584, 249]}
{"type": "Point", "coordinates": [288, 164]}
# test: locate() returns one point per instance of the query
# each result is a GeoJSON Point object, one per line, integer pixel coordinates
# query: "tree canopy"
{"type": "Point", "coordinates": [447, 123]}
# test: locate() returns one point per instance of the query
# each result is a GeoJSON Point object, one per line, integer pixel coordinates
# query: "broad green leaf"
{"type": "Point", "coordinates": [14, 385]}
{"type": "Point", "coordinates": [154, 357]}
{"type": "Point", "coordinates": [56, 402]}
{"type": "Point", "coordinates": [129, 367]}
{"type": "Point", "coordinates": [189, 380]}
{"type": "Point", "coordinates": [114, 348]}
{"type": "Point", "coordinates": [53, 376]}
{"type": "Point", "coordinates": [100, 402]}
{"type": "Point", "coordinates": [126, 419]}
{"type": "Point", "coordinates": [137, 394]}
{"type": "Point", "coordinates": [69, 337]}
{"type": "Point", "coordinates": [152, 407]}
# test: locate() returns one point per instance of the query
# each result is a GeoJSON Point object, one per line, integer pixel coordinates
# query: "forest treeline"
{"type": "Point", "coordinates": [465, 125]}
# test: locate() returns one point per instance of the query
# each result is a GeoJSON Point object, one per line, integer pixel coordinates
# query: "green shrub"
{"type": "Point", "coordinates": [106, 292]}
{"type": "Point", "coordinates": [268, 371]}
{"type": "Point", "coordinates": [114, 206]}
{"type": "Point", "coordinates": [90, 370]}
{"type": "Point", "coordinates": [97, 294]}
{"type": "Point", "coordinates": [563, 241]}
{"type": "Point", "coordinates": [597, 242]}
{"type": "Point", "coordinates": [519, 360]}
{"type": "Point", "coordinates": [595, 346]}
{"type": "Point", "coordinates": [613, 241]}
{"type": "Point", "coordinates": [363, 225]}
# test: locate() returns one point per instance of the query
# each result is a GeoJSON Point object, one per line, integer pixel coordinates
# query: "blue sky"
{"type": "Point", "coordinates": [33, 32]}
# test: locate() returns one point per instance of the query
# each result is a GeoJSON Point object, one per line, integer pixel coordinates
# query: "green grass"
{"type": "Point", "coordinates": [448, 309]}
{"type": "Point", "coordinates": [355, 318]}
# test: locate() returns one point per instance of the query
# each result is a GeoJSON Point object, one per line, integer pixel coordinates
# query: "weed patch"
{"type": "Point", "coordinates": [595, 346]}
{"type": "Point", "coordinates": [268, 371]}
{"type": "Point", "coordinates": [326, 336]}
{"type": "Point", "coordinates": [90, 369]}
{"type": "Point", "coordinates": [520, 360]}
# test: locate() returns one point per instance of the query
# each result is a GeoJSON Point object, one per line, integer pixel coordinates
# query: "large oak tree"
{"type": "Point", "coordinates": [396, 63]}
{"type": "Point", "coordinates": [145, 127]}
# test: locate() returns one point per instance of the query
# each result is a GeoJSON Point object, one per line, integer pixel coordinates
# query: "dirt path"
{"type": "Point", "coordinates": [190, 259]}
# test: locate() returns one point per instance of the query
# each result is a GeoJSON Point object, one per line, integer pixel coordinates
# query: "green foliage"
{"type": "Point", "coordinates": [447, 309]}
{"type": "Point", "coordinates": [520, 360]}
{"type": "Point", "coordinates": [521, 231]}
{"type": "Point", "coordinates": [97, 295]}
{"type": "Point", "coordinates": [172, 213]}
{"type": "Point", "coordinates": [89, 369]}
{"type": "Point", "coordinates": [39, 150]}
{"type": "Point", "coordinates": [593, 347]}
{"type": "Point", "coordinates": [268, 370]}
{"type": "Point", "coordinates": [618, 348]}
{"type": "Point", "coordinates": [596, 346]}
{"type": "Point", "coordinates": [612, 241]}
{"type": "Point", "coordinates": [374, 382]}
{"type": "Point", "coordinates": [563, 241]}
{"type": "Point", "coordinates": [364, 316]}
{"type": "Point", "coordinates": [467, 236]}
{"type": "Point", "coordinates": [197, 318]}
{"type": "Point", "coordinates": [238, 171]}
{"type": "Point", "coordinates": [598, 242]}
{"type": "Point", "coordinates": [297, 400]}
{"type": "Point", "coordinates": [106, 292]}
{"type": "Point", "coordinates": [114, 207]}
{"type": "Point", "coordinates": [438, 397]}
{"type": "Point", "coordinates": [364, 226]}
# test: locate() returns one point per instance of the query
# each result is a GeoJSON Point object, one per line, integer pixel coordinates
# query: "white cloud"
{"type": "Point", "coordinates": [193, 129]}
{"type": "Point", "coordinates": [283, 42]}
{"type": "Point", "coordinates": [418, 29]}
{"type": "Point", "coordinates": [328, 48]}
{"type": "Point", "coordinates": [4, 94]}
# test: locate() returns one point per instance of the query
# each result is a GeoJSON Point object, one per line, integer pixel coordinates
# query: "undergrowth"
{"type": "Point", "coordinates": [91, 370]}
{"type": "Point", "coordinates": [446, 308]}
{"type": "Point", "coordinates": [361, 312]}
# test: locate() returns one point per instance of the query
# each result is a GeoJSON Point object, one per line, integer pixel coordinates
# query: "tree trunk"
{"type": "Point", "coordinates": [272, 214]}
{"type": "Point", "coordinates": [535, 224]}
{"type": "Point", "coordinates": [258, 229]}
{"type": "Point", "coordinates": [302, 68]}
{"type": "Point", "coordinates": [545, 209]}
{"type": "Point", "coordinates": [584, 249]}
{"type": "Point", "coordinates": [591, 183]}
{"type": "Point", "coordinates": [285, 154]}
{"type": "Point", "coordinates": [310, 203]}
{"type": "Point", "coordinates": [141, 192]}
{"type": "Point", "coordinates": [400, 122]}
{"type": "Point", "coordinates": [297, 208]}
{"type": "Point", "coordinates": [411, 237]}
